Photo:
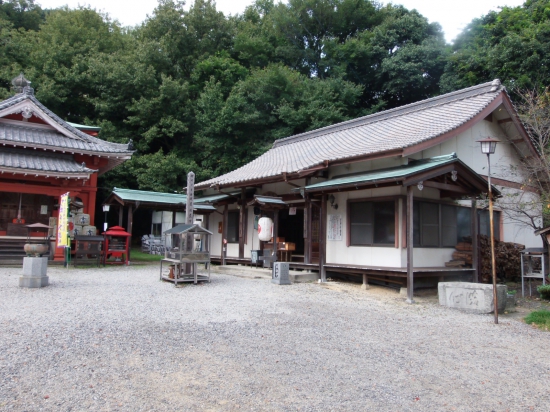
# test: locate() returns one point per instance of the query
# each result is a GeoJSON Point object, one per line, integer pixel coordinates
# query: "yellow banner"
{"type": "Point", "coordinates": [63, 220]}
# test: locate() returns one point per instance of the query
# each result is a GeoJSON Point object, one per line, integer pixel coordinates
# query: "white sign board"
{"type": "Point", "coordinates": [334, 227]}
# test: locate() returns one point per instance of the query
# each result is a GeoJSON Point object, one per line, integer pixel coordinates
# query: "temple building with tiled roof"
{"type": "Point", "coordinates": [42, 157]}
{"type": "Point", "coordinates": [386, 196]}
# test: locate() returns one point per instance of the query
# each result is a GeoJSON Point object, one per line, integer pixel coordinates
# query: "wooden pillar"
{"type": "Point", "coordinates": [410, 248]}
{"type": "Point", "coordinates": [206, 222]}
{"type": "Point", "coordinates": [307, 230]}
{"type": "Point", "coordinates": [323, 239]}
{"type": "Point", "coordinates": [475, 240]}
{"type": "Point", "coordinates": [120, 215]}
{"type": "Point", "coordinates": [224, 235]}
{"type": "Point", "coordinates": [275, 233]}
{"type": "Point", "coordinates": [174, 218]}
{"type": "Point", "coordinates": [242, 233]}
{"type": "Point", "coordinates": [129, 228]}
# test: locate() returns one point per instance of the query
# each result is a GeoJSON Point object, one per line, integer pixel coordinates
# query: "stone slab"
{"type": "Point", "coordinates": [35, 266]}
{"type": "Point", "coordinates": [33, 281]}
{"type": "Point", "coordinates": [303, 277]}
{"type": "Point", "coordinates": [471, 297]}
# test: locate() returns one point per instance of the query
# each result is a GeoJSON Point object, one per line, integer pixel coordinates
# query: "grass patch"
{"type": "Point", "coordinates": [136, 255]}
{"type": "Point", "coordinates": [541, 318]}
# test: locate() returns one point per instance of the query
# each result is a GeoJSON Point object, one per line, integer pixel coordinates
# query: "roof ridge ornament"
{"type": "Point", "coordinates": [495, 85]}
{"type": "Point", "coordinates": [22, 85]}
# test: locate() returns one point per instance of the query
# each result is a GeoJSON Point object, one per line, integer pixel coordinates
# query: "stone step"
{"type": "Point", "coordinates": [295, 276]}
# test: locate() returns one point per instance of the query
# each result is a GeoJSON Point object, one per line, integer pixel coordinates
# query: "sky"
{"type": "Point", "coordinates": [452, 15]}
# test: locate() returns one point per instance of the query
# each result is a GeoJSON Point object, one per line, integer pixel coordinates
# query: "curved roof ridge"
{"type": "Point", "coordinates": [493, 86]}
{"type": "Point", "coordinates": [86, 137]}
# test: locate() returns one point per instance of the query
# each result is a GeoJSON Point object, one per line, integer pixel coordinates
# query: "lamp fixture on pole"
{"type": "Point", "coordinates": [488, 147]}
{"type": "Point", "coordinates": [105, 209]}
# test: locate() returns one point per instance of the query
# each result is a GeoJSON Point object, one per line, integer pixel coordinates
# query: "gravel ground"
{"type": "Point", "coordinates": [118, 339]}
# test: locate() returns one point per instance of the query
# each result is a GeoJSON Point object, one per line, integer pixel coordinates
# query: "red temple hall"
{"type": "Point", "coordinates": [42, 157]}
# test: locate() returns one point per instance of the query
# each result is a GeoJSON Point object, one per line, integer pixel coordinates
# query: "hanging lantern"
{"type": "Point", "coordinates": [265, 229]}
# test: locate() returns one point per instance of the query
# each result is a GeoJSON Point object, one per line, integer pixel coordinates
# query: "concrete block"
{"type": "Point", "coordinates": [34, 272]}
{"type": "Point", "coordinates": [33, 281]}
{"type": "Point", "coordinates": [35, 266]}
{"type": "Point", "coordinates": [471, 297]}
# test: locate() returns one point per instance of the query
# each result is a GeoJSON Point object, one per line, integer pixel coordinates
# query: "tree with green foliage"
{"type": "Point", "coordinates": [22, 14]}
{"type": "Point", "coordinates": [197, 90]}
{"type": "Point", "coordinates": [512, 45]}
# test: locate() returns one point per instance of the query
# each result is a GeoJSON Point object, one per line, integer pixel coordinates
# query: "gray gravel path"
{"type": "Point", "coordinates": [117, 339]}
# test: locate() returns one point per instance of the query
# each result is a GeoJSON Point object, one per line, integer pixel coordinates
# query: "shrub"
{"type": "Point", "coordinates": [544, 291]}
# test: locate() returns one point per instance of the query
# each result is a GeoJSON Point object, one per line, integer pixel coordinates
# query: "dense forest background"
{"type": "Point", "coordinates": [197, 90]}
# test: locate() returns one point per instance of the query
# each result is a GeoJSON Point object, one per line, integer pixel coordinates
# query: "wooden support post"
{"type": "Point", "coordinates": [365, 285]}
{"type": "Point", "coordinates": [189, 219]}
{"type": "Point", "coordinates": [475, 241]}
{"type": "Point", "coordinates": [224, 235]}
{"type": "Point", "coordinates": [307, 230]}
{"type": "Point", "coordinates": [410, 248]}
{"type": "Point", "coordinates": [129, 228]}
{"type": "Point", "coordinates": [275, 233]}
{"type": "Point", "coordinates": [120, 215]}
{"type": "Point", "coordinates": [242, 233]}
{"type": "Point", "coordinates": [174, 218]}
{"type": "Point", "coordinates": [323, 239]}
{"type": "Point", "coordinates": [206, 222]}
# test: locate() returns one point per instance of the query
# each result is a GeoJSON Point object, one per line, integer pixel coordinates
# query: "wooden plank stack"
{"type": "Point", "coordinates": [462, 257]}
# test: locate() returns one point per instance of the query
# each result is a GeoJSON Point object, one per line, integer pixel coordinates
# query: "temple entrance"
{"type": "Point", "coordinates": [291, 228]}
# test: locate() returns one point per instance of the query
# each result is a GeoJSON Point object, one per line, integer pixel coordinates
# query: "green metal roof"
{"type": "Point", "coordinates": [84, 127]}
{"type": "Point", "coordinates": [270, 200]}
{"type": "Point", "coordinates": [152, 197]}
{"type": "Point", "coordinates": [216, 198]}
{"type": "Point", "coordinates": [392, 173]}
{"type": "Point", "coordinates": [168, 198]}
{"type": "Point", "coordinates": [198, 206]}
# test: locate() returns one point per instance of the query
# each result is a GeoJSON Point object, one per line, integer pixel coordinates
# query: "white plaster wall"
{"type": "Point", "coordinates": [368, 165]}
{"type": "Point", "coordinates": [428, 257]}
{"type": "Point", "coordinates": [339, 252]}
{"type": "Point", "coordinates": [505, 164]}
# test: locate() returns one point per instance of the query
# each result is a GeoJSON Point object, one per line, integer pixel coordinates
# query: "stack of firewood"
{"type": "Point", "coordinates": [462, 257]}
{"type": "Point", "coordinates": [507, 258]}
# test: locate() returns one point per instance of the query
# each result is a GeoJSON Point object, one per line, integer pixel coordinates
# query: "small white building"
{"type": "Point", "coordinates": [347, 189]}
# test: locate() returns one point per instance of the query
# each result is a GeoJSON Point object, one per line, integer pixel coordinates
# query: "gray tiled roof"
{"type": "Point", "coordinates": [53, 139]}
{"type": "Point", "coordinates": [388, 130]}
{"type": "Point", "coordinates": [40, 162]}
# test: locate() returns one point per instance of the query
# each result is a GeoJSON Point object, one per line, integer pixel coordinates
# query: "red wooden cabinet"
{"type": "Point", "coordinates": [117, 246]}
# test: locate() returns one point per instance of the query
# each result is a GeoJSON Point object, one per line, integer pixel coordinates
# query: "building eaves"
{"type": "Point", "coordinates": [41, 163]}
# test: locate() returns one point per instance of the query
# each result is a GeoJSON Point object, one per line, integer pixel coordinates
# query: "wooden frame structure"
{"type": "Point", "coordinates": [186, 256]}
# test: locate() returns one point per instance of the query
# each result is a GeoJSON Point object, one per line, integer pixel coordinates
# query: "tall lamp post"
{"type": "Point", "coordinates": [488, 147]}
{"type": "Point", "coordinates": [105, 209]}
